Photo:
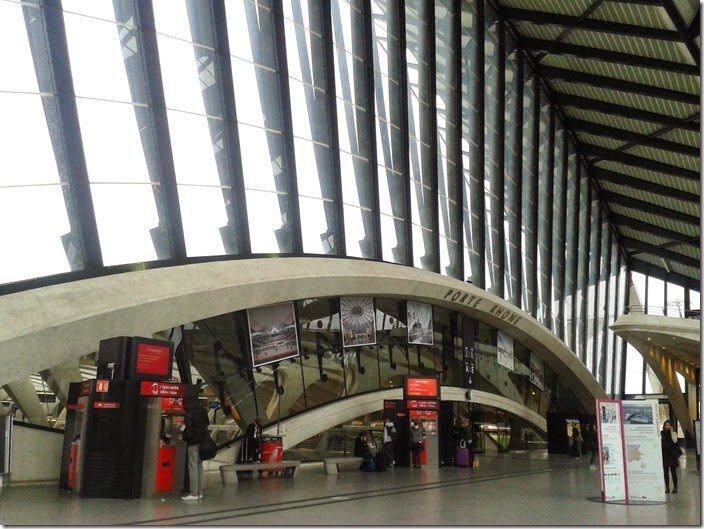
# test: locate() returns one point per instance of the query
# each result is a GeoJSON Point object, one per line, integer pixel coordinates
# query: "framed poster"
{"type": "Point", "coordinates": [358, 321]}
{"type": "Point", "coordinates": [419, 323]}
{"type": "Point", "coordinates": [273, 334]}
{"type": "Point", "coordinates": [504, 350]}
{"type": "Point", "coordinates": [536, 371]}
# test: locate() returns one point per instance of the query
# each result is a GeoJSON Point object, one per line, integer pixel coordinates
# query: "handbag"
{"type": "Point", "coordinates": [208, 449]}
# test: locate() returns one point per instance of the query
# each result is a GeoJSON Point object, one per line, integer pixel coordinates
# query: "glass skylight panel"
{"type": "Point", "coordinates": [34, 239]}
{"type": "Point", "coordinates": [13, 36]}
{"type": "Point", "coordinates": [179, 71]}
{"type": "Point", "coordinates": [309, 158]}
{"type": "Point", "coordinates": [194, 162]}
{"type": "Point", "coordinates": [352, 169]}
{"type": "Point", "coordinates": [124, 213]}
{"type": "Point", "coordinates": [203, 214]}
{"type": "Point", "coordinates": [264, 221]}
{"type": "Point", "coordinates": [262, 153]}
{"type": "Point", "coordinates": [93, 8]}
{"type": "Point", "coordinates": [171, 18]}
{"type": "Point", "coordinates": [32, 206]}
{"type": "Point", "coordinates": [121, 157]}
{"type": "Point", "coordinates": [248, 94]}
{"type": "Point", "coordinates": [354, 230]}
{"type": "Point", "coordinates": [316, 239]}
{"type": "Point", "coordinates": [97, 63]}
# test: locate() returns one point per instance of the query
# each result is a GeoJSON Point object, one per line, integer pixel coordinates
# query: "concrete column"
{"type": "Point", "coordinates": [25, 396]}
{"type": "Point", "coordinates": [58, 378]}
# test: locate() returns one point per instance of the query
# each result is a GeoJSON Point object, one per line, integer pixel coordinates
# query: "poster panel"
{"type": "Point", "coordinates": [643, 452]}
{"type": "Point", "coordinates": [419, 323]}
{"type": "Point", "coordinates": [273, 334]}
{"type": "Point", "coordinates": [358, 321]}
{"type": "Point", "coordinates": [504, 350]}
{"type": "Point", "coordinates": [612, 464]}
{"type": "Point", "coordinates": [536, 371]}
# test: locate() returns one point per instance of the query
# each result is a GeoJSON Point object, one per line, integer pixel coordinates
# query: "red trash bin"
{"type": "Point", "coordinates": [166, 461]}
{"type": "Point", "coordinates": [273, 450]}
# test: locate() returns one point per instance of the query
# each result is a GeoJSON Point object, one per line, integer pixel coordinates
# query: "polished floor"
{"type": "Point", "coordinates": [504, 489]}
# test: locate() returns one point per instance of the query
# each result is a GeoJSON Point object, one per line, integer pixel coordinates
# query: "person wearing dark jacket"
{"type": "Point", "coordinates": [251, 451]}
{"type": "Point", "coordinates": [195, 429]}
{"type": "Point", "coordinates": [362, 449]}
{"type": "Point", "coordinates": [670, 453]}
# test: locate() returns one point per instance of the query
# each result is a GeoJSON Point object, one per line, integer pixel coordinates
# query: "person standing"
{"type": "Point", "coordinates": [389, 438]}
{"type": "Point", "coordinates": [578, 440]}
{"type": "Point", "coordinates": [670, 453]}
{"type": "Point", "coordinates": [194, 431]}
{"type": "Point", "coordinates": [593, 437]}
{"type": "Point", "coordinates": [416, 442]}
{"type": "Point", "coordinates": [251, 451]}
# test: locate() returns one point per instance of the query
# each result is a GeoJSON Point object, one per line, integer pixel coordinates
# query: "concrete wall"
{"type": "Point", "coordinates": [36, 455]}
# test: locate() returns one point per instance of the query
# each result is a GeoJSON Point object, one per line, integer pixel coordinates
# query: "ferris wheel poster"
{"type": "Point", "coordinates": [358, 322]}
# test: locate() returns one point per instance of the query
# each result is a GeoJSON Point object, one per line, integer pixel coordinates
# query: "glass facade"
{"type": "Point", "coordinates": [327, 370]}
{"type": "Point", "coordinates": [166, 132]}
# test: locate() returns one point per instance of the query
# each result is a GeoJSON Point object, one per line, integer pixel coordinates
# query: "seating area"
{"type": "Point", "coordinates": [332, 464]}
{"type": "Point", "coordinates": [287, 469]}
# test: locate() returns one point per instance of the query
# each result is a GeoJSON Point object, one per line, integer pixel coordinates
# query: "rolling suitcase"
{"type": "Point", "coordinates": [462, 455]}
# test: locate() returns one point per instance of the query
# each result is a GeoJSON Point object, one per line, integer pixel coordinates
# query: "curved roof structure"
{"type": "Point", "coordinates": [626, 75]}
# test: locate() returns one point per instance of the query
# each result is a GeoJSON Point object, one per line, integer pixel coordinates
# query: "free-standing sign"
{"type": "Point", "coordinates": [643, 452]}
{"type": "Point", "coordinates": [612, 464]}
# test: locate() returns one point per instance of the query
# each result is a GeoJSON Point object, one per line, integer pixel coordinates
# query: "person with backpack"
{"type": "Point", "coordinates": [389, 438]}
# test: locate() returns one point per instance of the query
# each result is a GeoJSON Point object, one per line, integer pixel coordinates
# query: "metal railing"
{"type": "Point", "coordinates": [675, 310]}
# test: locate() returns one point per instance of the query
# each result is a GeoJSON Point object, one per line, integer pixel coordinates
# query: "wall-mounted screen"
{"type": "Point", "coordinates": [273, 334]}
{"type": "Point", "coordinates": [423, 388]}
{"type": "Point", "coordinates": [150, 359]}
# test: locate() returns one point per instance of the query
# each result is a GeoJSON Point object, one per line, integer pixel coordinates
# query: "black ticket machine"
{"type": "Point", "coordinates": [121, 438]}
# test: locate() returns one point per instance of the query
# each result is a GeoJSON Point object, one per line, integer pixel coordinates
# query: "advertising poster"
{"type": "Point", "coordinates": [536, 371]}
{"type": "Point", "coordinates": [272, 333]}
{"type": "Point", "coordinates": [358, 321]}
{"type": "Point", "coordinates": [643, 453]}
{"type": "Point", "coordinates": [504, 350]}
{"type": "Point", "coordinates": [612, 463]}
{"type": "Point", "coordinates": [420, 323]}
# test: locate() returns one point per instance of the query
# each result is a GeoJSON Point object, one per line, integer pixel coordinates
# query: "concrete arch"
{"type": "Point", "coordinates": [306, 425]}
{"type": "Point", "coordinates": [55, 324]}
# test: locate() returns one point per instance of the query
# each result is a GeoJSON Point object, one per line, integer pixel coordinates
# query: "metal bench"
{"type": "Point", "coordinates": [288, 469]}
{"type": "Point", "coordinates": [331, 464]}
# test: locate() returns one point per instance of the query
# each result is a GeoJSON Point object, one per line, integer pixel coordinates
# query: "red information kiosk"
{"type": "Point", "coordinates": [422, 397]}
{"type": "Point", "coordinates": [117, 425]}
